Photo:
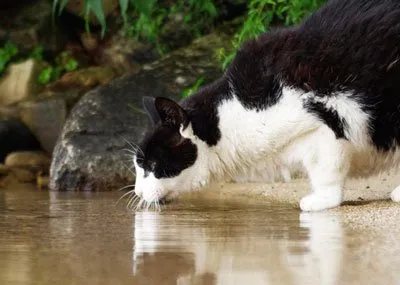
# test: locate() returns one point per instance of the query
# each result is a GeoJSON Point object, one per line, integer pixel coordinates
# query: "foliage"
{"type": "Point", "coordinates": [261, 14]}
{"type": "Point", "coordinates": [146, 18]}
{"type": "Point", "coordinates": [147, 27]}
{"type": "Point", "coordinates": [196, 14]}
{"type": "Point", "coordinates": [49, 74]}
{"type": "Point", "coordinates": [193, 89]}
{"type": "Point", "coordinates": [37, 52]}
{"type": "Point", "coordinates": [64, 62]}
{"type": "Point", "coordinates": [95, 7]}
{"type": "Point", "coordinates": [7, 52]}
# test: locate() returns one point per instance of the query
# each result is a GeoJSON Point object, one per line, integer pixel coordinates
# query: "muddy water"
{"type": "Point", "coordinates": [78, 238]}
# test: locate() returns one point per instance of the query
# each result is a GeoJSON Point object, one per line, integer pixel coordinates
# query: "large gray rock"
{"type": "Point", "coordinates": [92, 151]}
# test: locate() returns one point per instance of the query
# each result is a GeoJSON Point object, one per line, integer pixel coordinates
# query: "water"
{"type": "Point", "coordinates": [85, 238]}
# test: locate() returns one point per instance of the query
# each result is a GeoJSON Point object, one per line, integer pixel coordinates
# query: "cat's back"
{"type": "Point", "coordinates": [351, 44]}
{"type": "Point", "coordinates": [345, 15]}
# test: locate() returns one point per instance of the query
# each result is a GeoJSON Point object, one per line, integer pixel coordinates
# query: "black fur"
{"type": "Point", "coordinates": [328, 116]}
{"type": "Point", "coordinates": [165, 152]}
{"type": "Point", "coordinates": [348, 46]}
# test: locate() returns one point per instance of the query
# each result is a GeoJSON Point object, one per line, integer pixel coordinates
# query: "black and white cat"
{"type": "Point", "coordinates": [323, 96]}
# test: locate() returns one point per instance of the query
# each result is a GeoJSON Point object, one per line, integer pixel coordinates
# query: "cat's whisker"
{"type": "Point", "coordinates": [134, 146]}
{"type": "Point", "coordinates": [130, 151]}
{"type": "Point", "coordinates": [126, 187]}
{"type": "Point", "coordinates": [124, 195]}
{"type": "Point", "coordinates": [129, 169]}
{"type": "Point", "coordinates": [132, 202]}
{"type": "Point", "coordinates": [139, 205]}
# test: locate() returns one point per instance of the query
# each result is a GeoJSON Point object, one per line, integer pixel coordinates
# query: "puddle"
{"type": "Point", "coordinates": [84, 238]}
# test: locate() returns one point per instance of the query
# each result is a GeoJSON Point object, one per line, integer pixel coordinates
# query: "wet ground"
{"type": "Point", "coordinates": [83, 238]}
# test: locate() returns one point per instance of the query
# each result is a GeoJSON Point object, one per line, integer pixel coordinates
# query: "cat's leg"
{"type": "Point", "coordinates": [396, 194]}
{"type": "Point", "coordinates": [327, 162]}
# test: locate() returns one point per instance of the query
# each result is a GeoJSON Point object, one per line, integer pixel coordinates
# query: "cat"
{"type": "Point", "coordinates": [322, 97]}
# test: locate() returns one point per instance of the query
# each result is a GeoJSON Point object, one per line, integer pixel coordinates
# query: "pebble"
{"type": "Point", "coordinates": [31, 160]}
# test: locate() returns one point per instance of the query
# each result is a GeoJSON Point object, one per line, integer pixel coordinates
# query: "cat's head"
{"type": "Point", "coordinates": [170, 159]}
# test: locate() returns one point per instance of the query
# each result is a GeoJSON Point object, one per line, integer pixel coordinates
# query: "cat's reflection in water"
{"type": "Point", "coordinates": [174, 248]}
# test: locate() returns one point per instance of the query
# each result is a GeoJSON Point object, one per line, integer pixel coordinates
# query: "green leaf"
{"type": "Point", "coordinates": [7, 52]}
{"type": "Point", "coordinates": [56, 74]}
{"type": "Point", "coordinates": [71, 65]}
{"type": "Point", "coordinates": [191, 90]}
{"type": "Point", "coordinates": [228, 59]}
{"type": "Point", "coordinates": [37, 53]}
{"type": "Point", "coordinates": [124, 8]}
{"type": "Point", "coordinates": [45, 75]}
{"type": "Point", "coordinates": [96, 7]}
{"type": "Point", "coordinates": [61, 5]}
{"type": "Point", "coordinates": [144, 6]}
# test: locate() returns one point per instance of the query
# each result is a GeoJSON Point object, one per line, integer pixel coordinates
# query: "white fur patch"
{"type": "Point", "coordinates": [349, 110]}
{"type": "Point", "coordinates": [396, 194]}
{"type": "Point", "coordinates": [152, 189]}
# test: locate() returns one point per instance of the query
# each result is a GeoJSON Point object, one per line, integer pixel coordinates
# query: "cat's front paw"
{"type": "Point", "coordinates": [315, 202]}
{"type": "Point", "coordinates": [396, 194]}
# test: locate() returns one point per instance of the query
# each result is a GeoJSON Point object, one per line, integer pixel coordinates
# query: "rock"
{"type": "Point", "coordinates": [22, 175]}
{"type": "Point", "coordinates": [20, 82]}
{"type": "Point", "coordinates": [181, 68]}
{"type": "Point", "coordinates": [4, 170]}
{"type": "Point", "coordinates": [69, 96]}
{"type": "Point", "coordinates": [28, 24]}
{"type": "Point", "coordinates": [89, 41]}
{"type": "Point", "coordinates": [45, 118]}
{"type": "Point", "coordinates": [33, 161]}
{"type": "Point", "coordinates": [125, 54]}
{"type": "Point", "coordinates": [92, 153]}
{"type": "Point", "coordinates": [174, 33]}
{"type": "Point", "coordinates": [84, 79]}
{"type": "Point", "coordinates": [15, 136]}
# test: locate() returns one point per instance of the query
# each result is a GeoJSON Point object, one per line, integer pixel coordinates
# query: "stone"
{"type": "Point", "coordinates": [93, 150]}
{"type": "Point", "coordinates": [34, 161]}
{"type": "Point", "coordinates": [4, 170]}
{"type": "Point", "coordinates": [29, 24]}
{"type": "Point", "coordinates": [22, 175]}
{"type": "Point", "coordinates": [15, 136]}
{"type": "Point", "coordinates": [125, 54]}
{"type": "Point", "coordinates": [182, 68]}
{"type": "Point", "coordinates": [45, 118]}
{"type": "Point", "coordinates": [84, 79]}
{"type": "Point", "coordinates": [20, 82]}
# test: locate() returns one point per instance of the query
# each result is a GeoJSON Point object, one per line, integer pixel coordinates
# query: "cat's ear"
{"type": "Point", "coordinates": [150, 107]}
{"type": "Point", "coordinates": [170, 112]}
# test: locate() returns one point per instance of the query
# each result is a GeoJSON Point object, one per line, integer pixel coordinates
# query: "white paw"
{"type": "Point", "coordinates": [396, 194]}
{"type": "Point", "coordinates": [315, 202]}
